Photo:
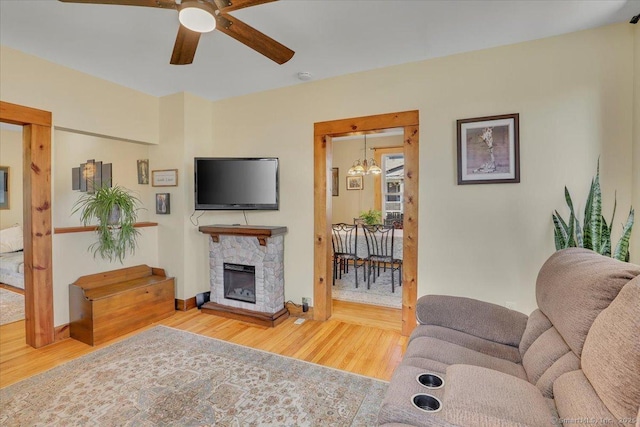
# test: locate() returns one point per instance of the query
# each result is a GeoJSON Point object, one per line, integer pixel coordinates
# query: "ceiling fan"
{"type": "Point", "coordinates": [202, 16]}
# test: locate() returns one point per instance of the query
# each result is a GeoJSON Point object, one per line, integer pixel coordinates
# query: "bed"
{"type": "Point", "coordinates": [12, 256]}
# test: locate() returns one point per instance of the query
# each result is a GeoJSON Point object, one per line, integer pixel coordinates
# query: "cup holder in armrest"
{"type": "Point", "coordinates": [426, 402]}
{"type": "Point", "coordinates": [430, 380]}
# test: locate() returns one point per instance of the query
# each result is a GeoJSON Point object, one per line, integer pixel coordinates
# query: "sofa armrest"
{"type": "Point", "coordinates": [478, 318]}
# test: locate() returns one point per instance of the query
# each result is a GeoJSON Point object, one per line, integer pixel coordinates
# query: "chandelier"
{"type": "Point", "coordinates": [364, 167]}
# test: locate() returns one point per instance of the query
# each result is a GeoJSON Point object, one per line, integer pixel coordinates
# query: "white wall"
{"type": "Point", "coordinates": [71, 149]}
{"type": "Point", "coordinates": [77, 100]}
{"type": "Point", "coordinates": [481, 241]}
{"type": "Point", "coordinates": [11, 156]}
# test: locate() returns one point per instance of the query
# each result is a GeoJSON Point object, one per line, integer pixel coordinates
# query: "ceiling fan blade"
{"type": "Point", "coordinates": [164, 4]}
{"type": "Point", "coordinates": [253, 38]}
{"type": "Point", "coordinates": [185, 47]}
{"type": "Point", "coordinates": [229, 5]}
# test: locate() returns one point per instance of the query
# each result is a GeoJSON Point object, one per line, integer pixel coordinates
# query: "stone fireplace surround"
{"type": "Point", "coordinates": [258, 246]}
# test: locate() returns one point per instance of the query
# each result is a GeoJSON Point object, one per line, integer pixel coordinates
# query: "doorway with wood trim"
{"type": "Point", "coordinates": [38, 277]}
{"type": "Point", "coordinates": [323, 148]}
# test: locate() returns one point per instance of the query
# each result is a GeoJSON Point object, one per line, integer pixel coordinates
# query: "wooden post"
{"type": "Point", "coordinates": [36, 137]}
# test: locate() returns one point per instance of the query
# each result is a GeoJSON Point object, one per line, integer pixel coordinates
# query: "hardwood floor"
{"type": "Point", "coordinates": [358, 338]}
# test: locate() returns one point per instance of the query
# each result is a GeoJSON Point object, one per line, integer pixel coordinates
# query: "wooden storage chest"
{"type": "Point", "coordinates": [106, 305]}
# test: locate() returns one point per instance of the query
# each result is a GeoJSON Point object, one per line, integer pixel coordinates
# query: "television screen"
{"type": "Point", "coordinates": [236, 183]}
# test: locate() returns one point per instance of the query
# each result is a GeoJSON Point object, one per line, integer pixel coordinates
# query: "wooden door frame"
{"type": "Point", "coordinates": [323, 152]}
{"type": "Point", "coordinates": [38, 274]}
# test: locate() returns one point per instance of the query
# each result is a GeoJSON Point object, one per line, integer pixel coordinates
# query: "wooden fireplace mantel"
{"type": "Point", "coordinates": [261, 232]}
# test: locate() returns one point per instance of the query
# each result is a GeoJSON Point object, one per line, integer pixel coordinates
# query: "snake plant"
{"type": "Point", "coordinates": [595, 233]}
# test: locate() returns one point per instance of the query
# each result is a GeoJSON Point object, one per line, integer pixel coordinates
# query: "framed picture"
{"type": "Point", "coordinates": [4, 187]}
{"type": "Point", "coordinates": [163, 203]}
{"type": "Point", "coordinates": [488, 150]}
{"type": "Point", "coordinates": [354, 183]}
{"type": "Point", "coordinates": [143, 171]}
{"type": "Point", "coordinates": [164, 178]}
{"type": "Point", "coordinates": [335, 179]}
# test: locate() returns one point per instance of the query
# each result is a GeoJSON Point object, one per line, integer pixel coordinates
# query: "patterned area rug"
{"type": "Point", "coordinates": [379, 294]}
{"type": "Point", "coordinates": [168, 377]}
{"type": "Point", "coordinates": [11, 306]}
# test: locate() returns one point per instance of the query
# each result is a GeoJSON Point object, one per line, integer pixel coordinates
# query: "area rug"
{"type": "Point", "coordinates": [11, 306]}
{"type": "Point", "coordinates": [379, 294]}
{"type": "Point", "coordinates": [167, 377]}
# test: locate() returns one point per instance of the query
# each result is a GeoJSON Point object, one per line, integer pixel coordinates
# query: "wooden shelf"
{"type": "Point", "coordinates": [62, 230]}
{"type": "Point", "coordinates": [261, 232]}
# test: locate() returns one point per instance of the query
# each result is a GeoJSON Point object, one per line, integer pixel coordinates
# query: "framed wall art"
{"type": "Point", "coordinates": [4, 187]}
{"type": "Point", "coordinates": [354, 183]}
{"type": "Point", "coordinates": [335, 181]}
{"type": "Point", "coordinates": [164, 178]}
{"type": "Point", "coordinates": [163, 203]}
{"type": "Point", "coordinates": [143, 171]}
{"type": "Point", "coordinates": [488, 150]}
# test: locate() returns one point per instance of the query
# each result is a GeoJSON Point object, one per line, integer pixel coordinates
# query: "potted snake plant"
{"type": "Point", "coordinates": [116, 211]}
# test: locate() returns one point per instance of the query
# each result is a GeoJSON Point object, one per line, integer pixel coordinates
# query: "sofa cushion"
{"type": "Point", "coordinates": [536, 325]}
{"type": "Point", "coordinates": [477, 396]}
{"type": "Point", "coordinates": [577, 400]}
{"type": "Point", "coordinates": [567, 363]}
{"type": "Point", "coordinates": [575, 285]}
{"type": "Point", "coordinates": [450, 354]}
{"type": "Point", "coordinates": [543, 353]}
{"type": "Point", "coordinates": [491, 348]}
{"type": "Point", "coordinates": [611, 355]}
{"type": "Point", "coordinates": [478, 318]}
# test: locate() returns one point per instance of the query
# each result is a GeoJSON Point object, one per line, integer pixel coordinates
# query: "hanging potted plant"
{"type": "Point", "coordinates": [116, 210]}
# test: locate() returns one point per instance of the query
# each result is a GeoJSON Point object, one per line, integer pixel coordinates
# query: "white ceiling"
{"type": "Point", "coordinates": [132, 45]}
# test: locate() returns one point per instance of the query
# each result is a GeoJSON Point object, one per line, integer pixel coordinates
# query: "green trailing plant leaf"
{"type": "Point", "coordinates": [115, 241]}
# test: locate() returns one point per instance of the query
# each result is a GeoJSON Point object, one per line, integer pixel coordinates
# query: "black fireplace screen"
{"type": "Point", "coordinates": [240, 282]}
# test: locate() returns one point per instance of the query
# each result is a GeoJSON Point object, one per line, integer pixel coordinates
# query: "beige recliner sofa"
{"type": "Point", "coordinates": [574, 360]}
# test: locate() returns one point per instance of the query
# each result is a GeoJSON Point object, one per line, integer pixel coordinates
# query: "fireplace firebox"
{"type": "Point", "coordinates": [240, 282]}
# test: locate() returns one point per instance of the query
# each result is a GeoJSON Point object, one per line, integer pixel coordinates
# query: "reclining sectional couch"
{"type": "Point", "coordinates": [574, 361]}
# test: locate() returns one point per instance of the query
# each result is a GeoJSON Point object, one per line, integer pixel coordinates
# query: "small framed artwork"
{"type": "Point", "coordinates": [143, 171]}
{"type": "Point", "coordinates": [4, 187]}
{"type": "Point", "coordinates": [488, 150]}
{"type": "Point", "coordinates": [354, 183]}
{"type": "Point", "coordinates": [164, 178]}
{"type": "Point", "coordinates": [335, 180]}
{"type": "Point", "coordinates": [163, 203]}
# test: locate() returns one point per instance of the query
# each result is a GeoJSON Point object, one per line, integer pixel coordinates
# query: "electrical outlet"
{"type": "Point", "coordinates": [308, 300]}
{"type": "Point", "coordinates": [511, 305]}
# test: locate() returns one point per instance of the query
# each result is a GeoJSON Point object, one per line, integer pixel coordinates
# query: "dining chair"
{"type": "Point", "coordinates": [380, 241]}
{"type": "Point", "coordinates": [345, 248]}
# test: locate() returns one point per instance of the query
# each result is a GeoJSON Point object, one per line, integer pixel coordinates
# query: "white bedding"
{"type": "Point", "coordinates": [12, 269]}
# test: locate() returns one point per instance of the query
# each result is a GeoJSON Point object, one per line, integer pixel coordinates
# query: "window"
{"type": "Point", "coordinates": [392, 187]}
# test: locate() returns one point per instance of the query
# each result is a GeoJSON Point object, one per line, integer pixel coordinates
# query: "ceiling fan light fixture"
{"type": "Point", "coordinates": [197, 16]}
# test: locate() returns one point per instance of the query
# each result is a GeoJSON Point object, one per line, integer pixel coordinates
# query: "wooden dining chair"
{"type": "Point", "coordinates": [380, 241]}
{"type": "Point", "coordinates": [345, 248]}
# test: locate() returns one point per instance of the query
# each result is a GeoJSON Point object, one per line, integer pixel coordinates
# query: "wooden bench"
{"type": "Point", "coordinates": [106, 305]}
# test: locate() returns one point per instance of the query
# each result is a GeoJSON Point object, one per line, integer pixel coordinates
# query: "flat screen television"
{"type": "Point", "coordinates": [236, 183]}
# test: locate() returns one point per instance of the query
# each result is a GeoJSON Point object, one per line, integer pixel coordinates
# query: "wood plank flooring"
{"type": "Point", "coordinates": [358, 338]}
